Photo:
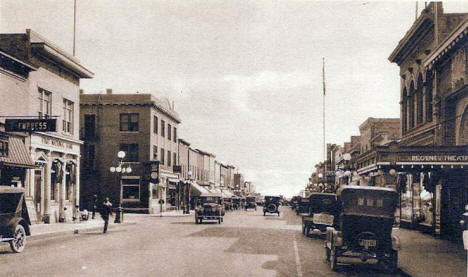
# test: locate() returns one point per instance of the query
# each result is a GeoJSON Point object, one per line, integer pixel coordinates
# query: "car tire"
{"type": "Point", "coordinates": [200, 220]}
{"type": "Point", "coordinates": [272, 208]}
{"type": "Point", "coordinates": [19, 239]}
{"type": "Point", "coordinates": [307, 230]}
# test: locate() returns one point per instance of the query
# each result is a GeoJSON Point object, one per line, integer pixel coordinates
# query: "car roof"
{"type": "Point", "coordinates": [8, 189]}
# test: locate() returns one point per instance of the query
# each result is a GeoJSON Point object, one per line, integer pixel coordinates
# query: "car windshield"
{"type": "Point", "coordinates": [210, 199]}
{"type": "Point", "coordinates": [9, 202]}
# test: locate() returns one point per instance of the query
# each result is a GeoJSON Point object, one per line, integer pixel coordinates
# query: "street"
{"type": "Point", "coordinates": [245, 244]}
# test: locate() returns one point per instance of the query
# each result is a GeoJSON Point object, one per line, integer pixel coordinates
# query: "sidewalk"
{"type": "Point", "coordinates": [424, 255]}
{"type": "Point", "coordinates": [173, 213]}
{"type": "Point", "coordinates": [55, 229]}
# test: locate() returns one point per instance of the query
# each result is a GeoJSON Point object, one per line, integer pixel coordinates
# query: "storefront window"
{"type": "Point", "coordinates": [406, 203]}
{"type": "Point", "coordinates": [427, 216]}
{"type": "Point", "coordinates": [131, 188]}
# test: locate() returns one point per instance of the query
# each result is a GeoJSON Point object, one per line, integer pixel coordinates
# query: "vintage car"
{"type": "Point", "coordinates": [271, 205]}
{"type": "Point", "coordinates": [210, 207]}
{"type": "Point", "coordinates": [227, 203]}
{"type": "Point", "coordinates": [324, 210]}
{"type": "Point", "coordinates": [14, 218]}
{"type": "Point", "coordinates": [250, 203]}
{"type": "Point", "coordinates": [236, 202]}
{"type": "Point", "coordinates": [365, 229]}
{"type": "Point", "coordinates": [302, 206]}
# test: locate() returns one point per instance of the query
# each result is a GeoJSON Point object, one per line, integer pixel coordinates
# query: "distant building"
{"type": "Point", "coordinates": [142, 126]}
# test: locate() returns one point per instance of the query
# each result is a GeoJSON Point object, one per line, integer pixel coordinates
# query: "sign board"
{"type": "Point", "coordinates": [31, 125]}
{"type": "Point", "coordinates": [433, 158]}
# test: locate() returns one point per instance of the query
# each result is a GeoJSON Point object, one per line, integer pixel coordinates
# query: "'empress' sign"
{"type": "Point", "coordinates": [30, 125]}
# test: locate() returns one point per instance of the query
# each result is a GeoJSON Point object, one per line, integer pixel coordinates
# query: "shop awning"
{"type": "Point", "coordinates": [197, 190]}
{"type": "Point", "coordinates": [18, 155]}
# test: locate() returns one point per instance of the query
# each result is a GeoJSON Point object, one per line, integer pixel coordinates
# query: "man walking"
{"type": "Point", "coordinates": [106, 210]}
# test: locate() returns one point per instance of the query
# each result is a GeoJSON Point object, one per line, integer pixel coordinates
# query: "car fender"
{"type": "Point", "coordinates": [396, 245]}
{"type": "Point", "coordinates": [15, 221]}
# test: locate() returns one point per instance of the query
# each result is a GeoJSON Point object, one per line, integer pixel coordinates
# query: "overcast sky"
{"type": "Point", "coordinates": [246, 76]}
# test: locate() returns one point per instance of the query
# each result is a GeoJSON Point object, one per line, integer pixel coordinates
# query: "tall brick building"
{"type": "Point", "coordinates": [144, 127]}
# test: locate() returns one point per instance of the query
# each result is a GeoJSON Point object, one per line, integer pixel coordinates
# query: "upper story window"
{"type": "Point", "coordinates": [89, 125]}
{"type": "Point", "coordinates": [169, 129]}
{"type": "Point", "coordinates": [175, 134]}
{"type": "Point", "coordinates": [155, 152]}
{"type": "Point", "coordinates": [155, 124]}
{"type": "Point", "coordinates": [129, 122]}
{"type": "Point", "coordinates": [169, 158]}
{"type": "Point", "coordinates": [45, 103]}
{"type": "Point", "coordinates": [163, 125]}
{"type": "Point", "coordinates": [131, 152]}
{"type": "Point", "coordinates": [3, 148]}
{"type": "Point", "coordinates": [67, 122]}
{"type": "Point", "coordinates": [175, 159]}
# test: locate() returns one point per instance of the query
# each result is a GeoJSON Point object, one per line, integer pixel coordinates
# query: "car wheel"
{"type": "Point", "coordinates": [307, 230]}
{"type": "Point", "coordinates": [200, 220]}
{"type": "Point", "coordinates": [19, 239]}
{"type": "Point", "coordinates": [333, 259]}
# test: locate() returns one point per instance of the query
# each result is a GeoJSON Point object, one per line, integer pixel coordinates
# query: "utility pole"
{"type": "Point", "coordinates": [74, 27]}
{"type": "Point", "coordinates": [323, 111]}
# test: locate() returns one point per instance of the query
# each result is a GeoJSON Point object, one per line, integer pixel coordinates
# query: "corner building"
{"type": "Point", "coordinates": [142, 126]}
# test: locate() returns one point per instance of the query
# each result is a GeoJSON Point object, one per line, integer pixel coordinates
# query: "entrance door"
{"type": "Point", "coordinates": [37, 189]}
{"type": "Point", "coordinates": [454, 199]}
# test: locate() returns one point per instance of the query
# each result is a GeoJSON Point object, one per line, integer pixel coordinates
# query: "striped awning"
{"type": "Point", "coordinates": [18, 155]}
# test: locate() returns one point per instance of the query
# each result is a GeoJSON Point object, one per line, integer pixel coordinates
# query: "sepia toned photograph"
{"type": "Point", "coordinates": [247, 138]}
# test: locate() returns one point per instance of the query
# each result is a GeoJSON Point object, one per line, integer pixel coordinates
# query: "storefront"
{"type": "Point", "coordinates": [14, 160]}
{"type": "Point", "coordinates": [432, 182]}
{"type": "Point", "coordinates": [54, 184]}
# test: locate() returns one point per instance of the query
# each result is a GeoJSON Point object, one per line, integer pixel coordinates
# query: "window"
{"type": "Point", "coordinates": [429, 104]}
{"type": "Point", "coordinates": [163, 126]}
{"type": "Point", "coordinates": [175, 159]}
{"type": "Point", "coordinates": [175, 134]}
{"type": "Point", "coordinates": [3, 148]}
{"type": "Point", "coordinates": [131, 188]}
{"type": "Point", "coordinates": [89, 125]}
{"type": "Point", "coordinates": [67, 122]}
{"type": "Point", "coordinates": [162, 156]}
{"type": "Point", "coordinates": [155, 152]}
{"type": "Point", "coordinates": [169, 129]}
{"type": "Point", "coordinates": [45, 103]}
{"type": "Point", "coordinates": [129, 122]}
{"type": "Point", "coordinates": [169, 158]}
{"type": "Point", "coordinates": [131, 152]}
{"type": "Point", "coordinates": [155, 124]}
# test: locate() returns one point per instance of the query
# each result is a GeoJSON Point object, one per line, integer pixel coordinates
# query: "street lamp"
{"type": "Point", "coordinates": [121, 168]}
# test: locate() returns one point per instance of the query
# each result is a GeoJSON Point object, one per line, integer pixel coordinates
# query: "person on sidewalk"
{"type": "Point", "coordinates": [106, 211]}
{"type": "Point", "coordinates": [95, 204]}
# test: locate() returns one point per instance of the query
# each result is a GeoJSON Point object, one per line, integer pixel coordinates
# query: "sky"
{"type": "Point", "coordinates": [245, 76]}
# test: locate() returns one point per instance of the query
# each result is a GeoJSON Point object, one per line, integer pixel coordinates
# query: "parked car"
{"type": "Point", "coordinates": [14, 218]}
{"type": "Point", "coordinates": [210, 207]}
{"type": "Point", "coordinates": [236, 202]}
{"type": "Point", "coordinates": [250, 203]}
{"type": "Point", "coordinates": [227, 203]}
{"type": "Point", "coordinates": [324, 210]}
{"type": "Point", "coordinates": [302, 205]}
{"type": "Point", "coordinates": [365, 229]}
{"type": "Point", "coordinates": [271, 205]}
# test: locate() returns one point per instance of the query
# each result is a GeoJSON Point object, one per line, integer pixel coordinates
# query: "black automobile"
{"type": "Point", "coordinates": [324, 210]}
{"type": "Point", "coordinates": [227, 203]}
{"type": "Point", "coordinates": [210, 207]}
{"type": "Point", "coordinates": [250, 203]}
{"type": "Point", "coordinates": [271, 205]}
{"type": "Point", "coordinates": [236, 202]}
{"type": "Point", "coordinates": [14, 218]}
{"type": "Point", "coordinates": [365, 231]}
{"type": "Point", "coordinates": [302, 206]}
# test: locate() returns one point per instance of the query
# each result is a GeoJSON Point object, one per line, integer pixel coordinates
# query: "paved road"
{"type": "Point", "coordinates": [246, 244]}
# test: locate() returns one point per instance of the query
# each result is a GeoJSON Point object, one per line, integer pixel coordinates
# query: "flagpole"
{"type": "Point", "coordinates": [323, 110]}
{"type": "Point", "coordinates": [74, 27]}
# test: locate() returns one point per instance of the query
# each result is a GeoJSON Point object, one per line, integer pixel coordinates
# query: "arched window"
{"type": "Point", "coordinates": [411, 106]}
{"type": "Point", "coordinates": [428, 98]}
{"type": "Point", "coordinates": [404, 111]}
{"type": "Point", "coordinates": [419, 100]}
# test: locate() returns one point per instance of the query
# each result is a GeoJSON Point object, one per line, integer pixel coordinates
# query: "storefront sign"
{"type": "Point", "coordinates": [30, 125]}
{"type": "Point", "coordinates": [56, 142]}
{"type": "Point", "coordinates": [433, 158]}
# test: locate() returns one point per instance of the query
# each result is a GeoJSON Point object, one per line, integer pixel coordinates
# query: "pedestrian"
{"type": "Point", "coordinates": [106, 211]}
{"type": "Point", "coordinates": [94, 208]}
{"type": "Point", "coordinates": [77, 214]}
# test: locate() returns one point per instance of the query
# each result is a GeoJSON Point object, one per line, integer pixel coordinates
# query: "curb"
{"type": "Point", "coordinates": [72, 232]}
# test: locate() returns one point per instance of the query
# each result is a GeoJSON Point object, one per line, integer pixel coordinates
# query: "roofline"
{"type": "Point", "coordinates": [18, 61]}
{"type": "Point", "coordinates": [58, 54]}
{"type": "Point", "coordinates": [458, 32]}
